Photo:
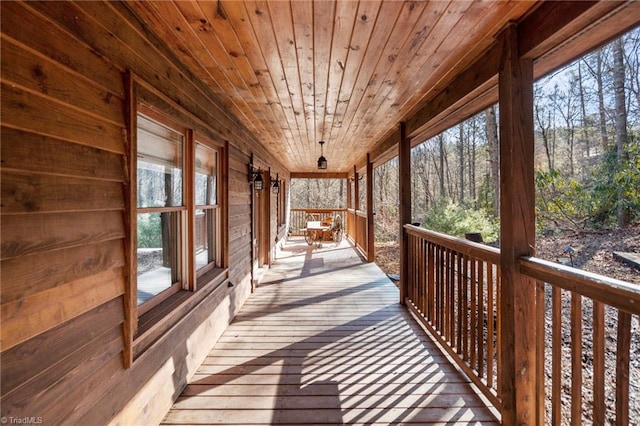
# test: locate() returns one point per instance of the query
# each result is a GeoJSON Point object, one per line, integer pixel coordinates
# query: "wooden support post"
{"type": "Point", "coordinates": [404, 180]}
{"type": "Point", "coordinates": [371, 251]}
{"type": "Point", "coordinates": [356, 190]}
{"type": "Point", "coordinates": [356, 204]}
{"type": "Point", "coordinates": [348, 226]}
{"type": "Point", "coordinates": [517, 351]}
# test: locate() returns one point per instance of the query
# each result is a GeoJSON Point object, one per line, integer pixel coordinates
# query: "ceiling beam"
{"type": "Point", "coordinates": [482, 70]}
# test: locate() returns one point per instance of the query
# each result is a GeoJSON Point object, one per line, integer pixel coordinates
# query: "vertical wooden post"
{"type": "Point", "coordinates": [356, 190]}
{"type": "Point", "coordinates": [224, 202]}
{"type": "Point", "coordinates": [345, 221]}
{"type": "Point", "coordinates": [404, 181]}
{"type": "Point", "coordinates": [356, 204]}
{"type": "Point", "coordinates": [131, 220]}
{"type": "Point", "coordinates": [371, 251]}
{"type": "Point", "coordinates": [517, 387]}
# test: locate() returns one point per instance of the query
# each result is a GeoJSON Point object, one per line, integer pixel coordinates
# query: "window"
{"type": "Point", "coordinates": [207, 213]}
{"type": "Point", "coordinates": [178, 212]}
{"type": "Point", "coordinates": [160, 211]}
{"type": "Point", "coordinates": [177, 215]}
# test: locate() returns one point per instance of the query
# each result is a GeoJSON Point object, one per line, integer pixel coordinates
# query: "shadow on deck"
{"type": "Point", "coordinates": [323, 340]}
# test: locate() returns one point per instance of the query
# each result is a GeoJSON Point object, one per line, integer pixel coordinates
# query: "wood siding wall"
{"type": "Point", "coordinates": [63, 207]}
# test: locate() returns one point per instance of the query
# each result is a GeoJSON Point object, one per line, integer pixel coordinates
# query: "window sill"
{"type": "Point", "coordinates": [160, 319]}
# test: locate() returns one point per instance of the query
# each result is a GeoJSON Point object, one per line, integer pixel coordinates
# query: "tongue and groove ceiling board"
{"type": "Point", "coordinates": [346, 72]}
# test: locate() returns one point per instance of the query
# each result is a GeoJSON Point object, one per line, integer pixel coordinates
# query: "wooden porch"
{"type": "Point", "coordinates": [323, 340]}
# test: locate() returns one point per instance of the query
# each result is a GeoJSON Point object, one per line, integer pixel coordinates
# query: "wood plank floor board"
{"type": "Point", "coordinates": [323, 340]}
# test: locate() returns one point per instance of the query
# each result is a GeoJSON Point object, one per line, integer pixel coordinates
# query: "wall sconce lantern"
{"type": "Point", "coordinates": [275, 185]}
{"type": "Point", "coordinates": [255, 178]}
{"type": "Point", "coordinates": [322, 162]}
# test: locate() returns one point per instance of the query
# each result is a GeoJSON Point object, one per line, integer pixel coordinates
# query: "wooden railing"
{"type": "Point", "coordinates": [584, 331]}
{"type": "Point", "coordinates": [299, 218]}
{"type": "Point", "coordinates": [351, 224]}
{"type": "Point", "coordinates": [453, 287]}
{"type": "Point", "coordinates": [360, 231]}
{"type": "Point", "coordinates": [585, 324]}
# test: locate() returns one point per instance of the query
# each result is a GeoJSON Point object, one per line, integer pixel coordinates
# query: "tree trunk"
{"type": "Point", "coordinates": [624, 213]}
{"type": "Point", "coordinates": [461, 162]}
{"type": "Point", "coordinates": [601, 106]}
{"type": "Point", "coordinates": [441, 170]}
{"type": "Point", "coordinates": [583, 110]}
{"type": "Point", "coordinates": [494, 156]}
{"type": "Point", "coordinates": [471, 156]}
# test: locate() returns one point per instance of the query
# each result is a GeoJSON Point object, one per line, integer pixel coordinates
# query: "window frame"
{"type": "Point", "coordinates": [200, 139]}
{"type": "Point", "coordinates": [184, 282]}
{"type": "Point", "coordinates": [145, 326]}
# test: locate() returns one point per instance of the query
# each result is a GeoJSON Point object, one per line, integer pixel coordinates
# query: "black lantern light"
{"type": "Point", "coordinates": [255, 178]}
{"type": "Point", "coordinates": [322, 162]}
{"type": "Point", "coordinates": [275, 185]}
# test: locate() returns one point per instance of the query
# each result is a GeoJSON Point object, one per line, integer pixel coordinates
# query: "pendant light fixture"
{"type": "Point", "coordinates": [322, 162]}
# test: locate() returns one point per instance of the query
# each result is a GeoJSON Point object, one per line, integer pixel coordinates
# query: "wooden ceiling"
{"type": "Point", "coordinates": [346, 72]}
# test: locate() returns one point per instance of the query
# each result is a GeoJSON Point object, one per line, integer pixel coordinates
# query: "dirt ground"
{"type": "Point", "coordinates": [593, 252]}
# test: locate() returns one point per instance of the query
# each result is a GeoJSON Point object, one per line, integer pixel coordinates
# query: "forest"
{"type": "Point", "coordinates": [587, 136]}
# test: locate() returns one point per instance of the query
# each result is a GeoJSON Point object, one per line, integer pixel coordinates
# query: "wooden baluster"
{"type": "Point", "coordinates": [576, 359]}
{"type": "Point", "coordinates": [466, 318]}
{"type": "Point", "coordinates": [622, 368]}
{"type": "Point", "coordinates": [480, 332]}
{"type": "Point", "coordinates": [423, 277]}
{"type": "Point", "coordinates": [598, 364]}
{"type": "Point", "coordinates": [490, 328]}
{"type": "Point", "coordinates": [446, 300]}
{"type": "Point", "coordinates": [474, 316]}
{"type": "Point", "coordinates": [498, 348]}
{"type": "Point", "coordinates": [452, 298]}
{"type": "Point", "coordinates": [556, 356]}
{"type": "Point", "coordinates": [421, 280]}
{"type": "Point", "coordinates": [540, 356]}
{"type": "Point", "coordinates": [438, 285]}
{"type": "Point", "coordinates": [431, 284]}
{"type": "Point", "coordinates": [459, 323]}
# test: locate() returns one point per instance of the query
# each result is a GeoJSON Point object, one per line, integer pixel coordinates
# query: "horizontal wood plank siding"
{"type": "Point", "coordinates": [62, 251]}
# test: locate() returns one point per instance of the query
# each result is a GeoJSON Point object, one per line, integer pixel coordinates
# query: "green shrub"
{"type": "Point", "coordinates": [453, 219]}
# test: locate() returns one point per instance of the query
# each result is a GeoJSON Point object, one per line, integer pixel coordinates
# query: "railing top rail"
{"type": "Point", "coordinates": [616, 293]}
{"type": "Point", "coordinates": [318, 210]}
{"type": "Point", "coordinates": [479, 251]}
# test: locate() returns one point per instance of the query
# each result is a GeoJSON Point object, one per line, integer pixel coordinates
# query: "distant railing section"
{"type": "Point", "coordinates": [299, 218]}
{"type": "Point", "coordinates": [587, 327]}
{"type": "Point", "coordinates": [453, 287]}
{"type": "Point", "coordinates": [584, 342]}
{"type": "Point", "coordinates": [360, 234]}
{"type": "Point", "coordinates": [351, 224]}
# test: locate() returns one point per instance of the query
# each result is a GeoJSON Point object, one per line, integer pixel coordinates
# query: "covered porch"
{"type": "Point", "coordinates": [323, 340]}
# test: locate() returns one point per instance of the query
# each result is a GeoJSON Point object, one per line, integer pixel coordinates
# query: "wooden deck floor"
{"type": "Point", "coordinates": [323, 340]}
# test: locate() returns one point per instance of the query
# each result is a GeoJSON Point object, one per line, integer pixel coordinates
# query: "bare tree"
{"type": "Point", "coordinates": [601, 106]}
{"type": "Point", "coordinates": [494, 153]}
{"type": "Point", "coordinates": [461, 162]}
{"type": "Point", "coordinates": [624, 214]}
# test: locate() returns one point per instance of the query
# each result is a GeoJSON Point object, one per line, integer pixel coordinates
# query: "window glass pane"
{"type": "Point", "coordinates": [159, 165]}
{"type": "Point", "coordinates": [158, 253]}
{"type": "Point", "coordinates": [206, 176]}
{"type": "Point", "coordinates": [206, 237]}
